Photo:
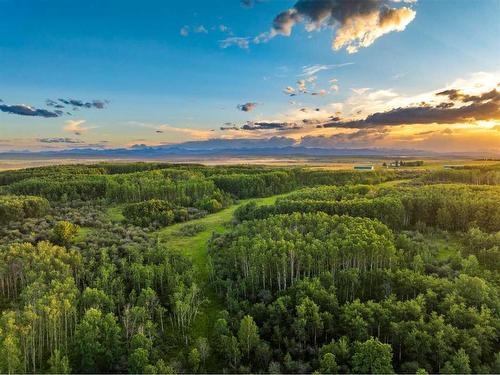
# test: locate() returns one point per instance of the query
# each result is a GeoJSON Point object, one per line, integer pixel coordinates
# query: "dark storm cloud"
{"type": "Point", "coordinates": [25, 110]}
{"type": "Point", "coordinates": [482, 107]}
{"type": "Point", "coordinates": [247, 107]}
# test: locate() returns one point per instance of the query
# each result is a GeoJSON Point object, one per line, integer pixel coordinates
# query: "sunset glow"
{"type": "Point", "coordinates": [407, 75]}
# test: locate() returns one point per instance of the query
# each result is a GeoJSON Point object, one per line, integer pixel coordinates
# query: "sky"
{"type": "Point", "coordinates": [399, 74]}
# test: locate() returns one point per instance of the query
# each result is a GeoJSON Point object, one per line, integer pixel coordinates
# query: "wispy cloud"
{"type": "Point", "coordinates": [184, 31]}
{"type": "Point", "coordinates": [177, 133]}
{"type": "Point", "coordinates": [241, 42]}
{"type": "Point", "coordinates": [310, 70]}
{"type": "Point", "coordinates": [60, 140]}
{"type": "Point", "coordinates": [77, 127]}
{"type": "Point", "coordinates": [201, 29]}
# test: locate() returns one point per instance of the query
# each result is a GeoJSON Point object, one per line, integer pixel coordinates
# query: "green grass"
{"type": "Point", "coordinates": [444, 245]}
{"type": "Point", "coordinates": [83, 233]}
{"type": "Point", "coordinates": [393, 183]}
{"type": "Point", "coordinates": [195, 247]}
{"type": "Point", "coordinates": [115, 213]}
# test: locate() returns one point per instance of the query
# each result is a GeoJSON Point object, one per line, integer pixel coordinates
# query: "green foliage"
{"type": "Point", "coordinates": [59, 363]}
{"type": "Point", "coordinates": [476, 176]}
{"type": "Point", "coordinates": [372, 357]}
{"type": "Point", "coordinates": [342, 276]}
{"type": "Point", "coordinates": [328, 364]}
{"type": "Point", "coordinates": [41, 281]}
{"type": "Point", "coordinates": [138, 361]}
{"type": "Point", "coordinates": [98, 343]}
{"type": "Point", "coordinates": [190, 230]}
{"type": "Point", "coordinates": [19, 207]}
{"type": "Point", "coordinates": [10, 360]}
{"type": "Point", "coordinates": [64, 232]}
{"type": "Point", "coordinates": [154, 211]}
{"type": "Point", "coordinates": [194, 360]}
{"type": "Point", "coordinates": [273, 253]}
{"type": "Point", "coordinates": [459, 364]}
{"type": "Point", "coordinates": [248, 335]}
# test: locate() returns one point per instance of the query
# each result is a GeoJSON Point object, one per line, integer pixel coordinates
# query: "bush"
{"type": "Point", "coordinates": [190, 230]}
{"type": "Point", "coordinates": [16, 208]}
{"type": "Point", "coordinates": [64, 232]}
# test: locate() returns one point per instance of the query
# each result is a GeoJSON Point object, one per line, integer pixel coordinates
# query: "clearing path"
{"type": "Point", "coordinates": [195, 247]}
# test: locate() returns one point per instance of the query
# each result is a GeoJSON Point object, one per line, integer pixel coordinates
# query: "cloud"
{"type": "Point", "coordinates": [200, 29]}
{"type": "Point", "coordinates": [398, 75]}
{"type": "Point", "coordinates": [76, 127]}
{"type": "Point", "coordinates": [362, 30]}
{"type": "Point", "coordinates": [359, 138]}
{"type": "Point", "coordinates": [247, 107]}
{"type": "Point", "coordinates": [459, 95]}
{"type": "Point", "coordinates": [184, 31]}
{"type": "Point", "coordinates": [252, 143]}
{"type": "Point", "coordinates": [262, 125]}
{"type": "Point", "coordinates": [247, 3]}
{"type": "Point", "coordinates": [234, 41]}
{"type": "Point", "coordinates": [357, 23]}
{"type": "Point", "coordinates": [303, 86]}
{"type": "Point", "coordinates": [309, 70]}
{"type": "Point", "coordinates": [60, 140]}
{"type": "Point", "coordinates": [334, 86]}
{"type": "Point", "coordinates": [76, 103]}
{"type": "Point", "coordinates": [301, 83]}
{"type": "Point", "coordinates": [360, 91]}
{"type": "Point", "coordinates": [188, 133]}
{"type": "Point", "coordinates": [229, 126]}
{"type": "Point", "coordinates": [482, 107]}
{"type": "Point", "coordinates": [99, 104]}
{"type": "Point", "coordinates": [289, 90]}
{"type": "Point", "coordinates": [26, 110]}
{"type": "Point", "coordinates": [321, 92]}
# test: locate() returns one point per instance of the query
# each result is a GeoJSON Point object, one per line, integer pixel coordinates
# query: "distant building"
{"type": "Point", "coordinates": [453, 166]}
{"type": "Point", "coordinates": [364, 167]}
{"type": "Point", "coordinates": [406, 163]}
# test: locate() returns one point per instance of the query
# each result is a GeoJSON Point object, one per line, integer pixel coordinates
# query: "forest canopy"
{"type": "Point", "coordinates": [186, 268]}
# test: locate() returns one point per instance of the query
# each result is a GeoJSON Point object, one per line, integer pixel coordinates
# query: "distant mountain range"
{"type": "Point", "coordinates": [272, 147]}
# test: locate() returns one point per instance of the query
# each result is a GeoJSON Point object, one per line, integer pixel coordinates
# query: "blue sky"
{"type": "Point", "coordinates": [133, 55]}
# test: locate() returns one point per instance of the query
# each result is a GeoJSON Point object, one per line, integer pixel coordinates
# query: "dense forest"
{"type": "Point", "coordinates": [184, 268]}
